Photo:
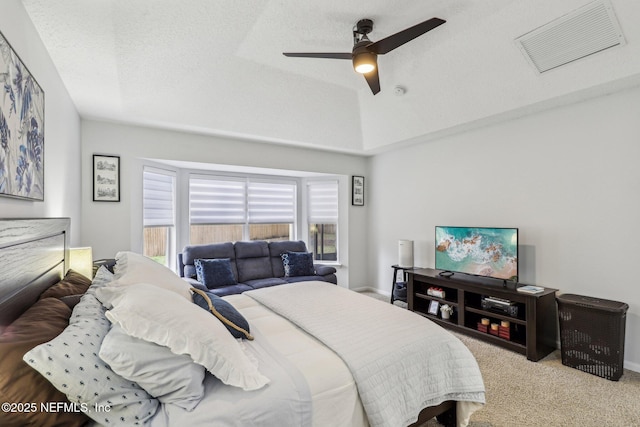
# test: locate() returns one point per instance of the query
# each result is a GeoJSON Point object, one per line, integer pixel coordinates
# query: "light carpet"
{"type": "Point", "coordinates": [547, 393]}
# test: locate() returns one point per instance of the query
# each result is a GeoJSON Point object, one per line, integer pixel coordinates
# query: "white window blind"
{"type": "Point", "coordinates": [271, 203]}
{"type": "Point", "coordinates": [217, 201]}
{"type": "Point", "coordinates": [322, 202]}
{"type": "Point", "coordinates": [158, 199]}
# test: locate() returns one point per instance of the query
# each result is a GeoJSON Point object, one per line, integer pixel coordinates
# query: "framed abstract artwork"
{"type": "Point", "coordinates": [21, 128]}
{"type": "Point", "coordinates": [106, 178]}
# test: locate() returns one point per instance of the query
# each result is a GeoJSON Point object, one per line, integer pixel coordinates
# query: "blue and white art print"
{"type": "Point", "coordinates": [21, 128]}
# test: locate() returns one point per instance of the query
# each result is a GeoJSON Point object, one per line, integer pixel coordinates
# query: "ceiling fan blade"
{"type": "Point", "coordinates": [319, 55]}
{"type": "Point", "coordinates": [387, 44]}
{"type": "Point", "coordinates": [373, 80]}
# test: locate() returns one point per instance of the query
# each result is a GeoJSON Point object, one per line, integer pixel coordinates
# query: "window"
{"type": "Point", "coordinates": [159, 215]}
{"type": "Point", "coordinates": [224, 209]}
{"type": "Point", "coordinates": [271, 210]}
{"type": "Point", "coordinates": [322, 217]}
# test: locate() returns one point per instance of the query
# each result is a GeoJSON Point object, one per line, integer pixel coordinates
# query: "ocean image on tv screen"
{"type": "Point", "coordinates": [491, 252]}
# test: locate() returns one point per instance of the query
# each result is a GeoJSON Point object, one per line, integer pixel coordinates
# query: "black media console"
{"type": "Point", "coordinates": [532, 318]}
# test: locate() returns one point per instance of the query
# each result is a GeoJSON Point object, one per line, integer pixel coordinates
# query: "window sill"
{"type": "Point", "coordinates": [330, 263]}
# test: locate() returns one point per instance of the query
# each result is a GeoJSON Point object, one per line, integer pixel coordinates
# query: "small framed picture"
{"type": "Point", "coordinates": [433, 307]}
{"type": "Point", "coordinates": [106, 178]}
{"type": "Point", "coordinates": [357, 195]}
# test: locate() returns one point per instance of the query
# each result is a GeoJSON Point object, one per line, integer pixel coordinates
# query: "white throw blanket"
{"type": "Point", "coordinates": [401, 362]}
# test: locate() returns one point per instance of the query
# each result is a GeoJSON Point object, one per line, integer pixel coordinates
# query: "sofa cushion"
{"type": "Point", "coordinates": [252, 260]}
{"type": "Point", "coordinates": [323, 270]}
{"type": "Point", "coordinates": [296, 279]}
{"type": "Point", "coordinates": [228, 290]}
{"type": "Point", "coordinates": [265, 283]}
{"type": "Point", "coordinates": [298, 264]}
{"type": "Point", "coordinates": [215, 250]}
{"type": "Point", "coordinates": [214, 273]}
{"type": "Point", "coordinates": [276, 249]}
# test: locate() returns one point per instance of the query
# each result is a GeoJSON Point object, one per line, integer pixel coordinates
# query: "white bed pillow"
{"type": "Point", "coordinates": [153, 314]}
{"type": "Point", "coordinates": [170, 378]}
{"type": "Point", "coordinates": [132, 268]}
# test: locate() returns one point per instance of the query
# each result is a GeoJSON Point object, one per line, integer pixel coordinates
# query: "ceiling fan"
{"type": "Point", "coordinates": [365, 52]}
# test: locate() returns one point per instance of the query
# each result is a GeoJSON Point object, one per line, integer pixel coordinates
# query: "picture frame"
{"type": "Point", "coordinates": [106, 178]}
{"type": "Point", "coordinates": [357, 190]}
{"type": "Point", "coordinates": [433, 307]}
{"type": "Point", "coordinates": [21, 129]}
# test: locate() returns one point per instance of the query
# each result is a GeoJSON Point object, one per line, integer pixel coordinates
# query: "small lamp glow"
{"type": "Point", "coordinates": [365, 68]}
{"type": "Point", "coordinates": [81, 261]}
{"type": "Point", "coordinates": [364, 62]}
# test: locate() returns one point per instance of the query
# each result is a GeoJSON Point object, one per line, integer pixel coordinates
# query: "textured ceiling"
{"type": "Point", "coordinates": [216, 67]}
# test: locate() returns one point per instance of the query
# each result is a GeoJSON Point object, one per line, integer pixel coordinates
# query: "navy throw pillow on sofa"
{"type": "Point", "coordinates": [298, 264]}
{"type": "Point", "coordinates": [214, 273]}
{"type": "Point", "coordinates": [235, 322]}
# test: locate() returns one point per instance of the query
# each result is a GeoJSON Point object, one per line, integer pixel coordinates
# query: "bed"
{"type": "Point", "coordinates": [319, 355]}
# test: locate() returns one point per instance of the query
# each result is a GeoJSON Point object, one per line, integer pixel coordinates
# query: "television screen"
{"type": "Point", "coordinates": [481, 251]}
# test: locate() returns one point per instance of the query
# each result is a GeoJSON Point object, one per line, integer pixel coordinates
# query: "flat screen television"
{"type": "Point", "coordinates": [480, 251]}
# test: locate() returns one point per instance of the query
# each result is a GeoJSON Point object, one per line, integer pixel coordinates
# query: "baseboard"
{"type": "Point", "coordinates": [632, 366]}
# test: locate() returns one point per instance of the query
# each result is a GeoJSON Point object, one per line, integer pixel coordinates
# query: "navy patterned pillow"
{"type": "Point", "coordinates": [214, 273]}
{"type": "Point", "coordinates": [298, 264]}
{"type": "Point", "coordinates": [225, 312]}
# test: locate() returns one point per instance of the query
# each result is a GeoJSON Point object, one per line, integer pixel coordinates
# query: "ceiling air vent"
{"type": "Point", "coordinates": [583, 32]}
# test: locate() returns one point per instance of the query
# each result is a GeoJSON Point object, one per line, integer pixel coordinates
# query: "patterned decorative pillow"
{"type": "Point", "coordinates": [214, 273]}
{"type": "Point", "coordinates": [102, 278]}
{"type": "Point", "coordinates": [71, 363]}
{"type": "Point", "coordinates": [171, 378]}
{"type": "Point", "coordinates": [225, 312]}
{"type": "Point", "coordinates": [298, 264]}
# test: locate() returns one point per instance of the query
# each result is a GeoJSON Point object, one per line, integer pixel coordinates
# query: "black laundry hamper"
{"type": "Point", "coordinates": [592, 334]}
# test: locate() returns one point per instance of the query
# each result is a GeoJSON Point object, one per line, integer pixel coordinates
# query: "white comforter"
{"type": "Point", "coordinates": [334, 399]}
{"type": "Point", "coordinates": [401, 361]}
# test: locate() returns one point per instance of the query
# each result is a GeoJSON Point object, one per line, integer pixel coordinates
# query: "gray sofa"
{"type": "Point", "coordinates": [255, 264]}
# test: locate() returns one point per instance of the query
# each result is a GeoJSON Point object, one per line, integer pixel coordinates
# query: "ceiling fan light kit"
{"type": "Point", "coordinates": [365, 62]}
{"type": "Point", "coordinates": [364, 54]}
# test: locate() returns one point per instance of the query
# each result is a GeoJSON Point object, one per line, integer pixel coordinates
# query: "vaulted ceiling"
{"type": "Point", "coordinates": [216, 67]}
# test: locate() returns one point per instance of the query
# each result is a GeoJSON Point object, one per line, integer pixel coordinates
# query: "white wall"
{"type": "Point", "coordinates": [568, 178]}
{"type": "Point", "coordinates": [62, 128]}
{"type": "Point", "coordinates": [112, 227]}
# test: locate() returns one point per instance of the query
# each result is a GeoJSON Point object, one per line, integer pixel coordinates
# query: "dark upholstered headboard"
{"type": "Point", "coordinates": [33, 256]}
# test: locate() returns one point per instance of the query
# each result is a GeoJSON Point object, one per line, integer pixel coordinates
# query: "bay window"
{"type": "Point", "coordinates": [159, 215]}
{"type": "Point", "coordinates": [227, 209]}
{"type": "Point", "coordinates": [322, 219]}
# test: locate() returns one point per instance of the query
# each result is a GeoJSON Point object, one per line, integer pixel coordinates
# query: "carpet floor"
{"type": "Point", "coordinates": [521, 393]}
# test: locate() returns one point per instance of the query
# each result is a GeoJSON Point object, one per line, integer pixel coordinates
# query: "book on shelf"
{"type": "Point", "coordinates": [530, 289]}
